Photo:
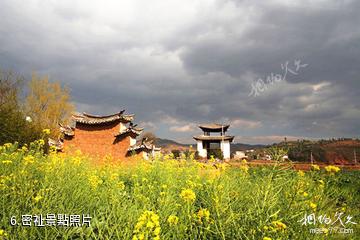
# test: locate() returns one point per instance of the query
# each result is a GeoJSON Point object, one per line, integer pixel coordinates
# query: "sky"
{"type": "Point", "coordinates": [270, 69]}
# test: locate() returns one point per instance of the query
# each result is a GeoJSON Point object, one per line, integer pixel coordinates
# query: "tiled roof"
{"type": "Point", "coordinates": [143, 145]}
{"type": "Point", "coordinates": [214, 127]}
{"type": "Point", "coordinates": [215, 138]}
{"type": "Point", "coordinates": [67, 130]}
{"type": "Point", "coordinates": [131, 129]}
{"type": "Point", "coordinates": [86, 118]}
{"type": "Point", "coordinates": [56, 143]}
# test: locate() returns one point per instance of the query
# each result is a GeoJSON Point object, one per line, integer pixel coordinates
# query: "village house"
{"type": "Point", "coordinates": [112, 135]}
{"type": "Point", "coordinates": [208, 142]}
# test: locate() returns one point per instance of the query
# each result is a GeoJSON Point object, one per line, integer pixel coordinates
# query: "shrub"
{"type": "Point", "coordinates": [216, 153]}
{"type": "Point", "coordinates": [176, 153]}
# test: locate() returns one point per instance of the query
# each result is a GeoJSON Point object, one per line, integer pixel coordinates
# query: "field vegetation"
{"type": "Point", "coordinates": [165, 198]}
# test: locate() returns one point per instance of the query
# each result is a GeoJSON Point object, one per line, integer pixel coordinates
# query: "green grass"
{"type": "Point", "coordinates": [131, 202]}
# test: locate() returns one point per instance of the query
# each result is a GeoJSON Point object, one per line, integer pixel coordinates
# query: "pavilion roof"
{"type": "Point", "coordinates": [214, 138]}
{"type": "Point", "coordinates": [86, 118]}
{"type": "Point", "coordinates": [214, 127]}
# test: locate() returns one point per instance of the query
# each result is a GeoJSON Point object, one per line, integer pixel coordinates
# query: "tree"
{"type": "Point", "coordinates": [9, 88]}
{"type": "Point", "coordinates": [149, 136]}
{"type": "Point", "coordinates": [13, 125]}
{"type": "Point", "coordinates": [48, 103]}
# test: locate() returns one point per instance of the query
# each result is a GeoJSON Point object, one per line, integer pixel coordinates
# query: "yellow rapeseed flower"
{"type": "Point", "coordinates": [7, 145]}
{"type": "Point", "coordinates": [188, 195]}
{"type": "Point", "coordinates": [46, 131]}
{"type": "Point", "coordinates": [37, 198]}
{"type": "Point", "coordinates": [29, 159]}
{"type": "Point", "coordinates": [6, 162]}
{"type": "Point", "coordinates": [305, 194]}
{"type": "Point", "coordinates": [173, 220]}
{"type": "Point", "coordinates": [244, 168]}
{"type": "Point", "coordinates": [203, 213]}
{"type": "Point", "coordinates": [3, 234]}
{"type": "Point", "coordinates": [279, 225]}
{"type": "Point", "coordinates": [221, 166]}
{"type": "Point", "coordinates": [78, 152]}
{"type": "Point", "coordinates": [121, 185]}
{"type": "Point", "coordinates": [95, 181]}
{"type": "Point", "coordinates": [157, 231]}
{"type": "Point", "coordinates": [76, 160]}
{"type": "Point", "coordinates": [267, 238]}
{"type": "Point", "coordinates": [147, 224]}
{"type": "Point", "coordinates": [114, 176]}
{"type": "Point", "coordinates": [332, 169]}
{"type": "Point", "coordinates": [301, 173]}
{"type": "Point", "coordinates": [150, 225]}
{"type": "Point", "coordinates": [315, 167]}
{"type": "Point", "coordinates": [312, 205]}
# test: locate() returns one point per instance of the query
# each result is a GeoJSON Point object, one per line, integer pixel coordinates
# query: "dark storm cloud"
{"type": "Point", "coordinates": [176, 63]}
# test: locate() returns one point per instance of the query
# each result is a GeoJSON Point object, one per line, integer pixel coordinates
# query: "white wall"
{"type": "Point", "coordinates": [122, 127]}
{"type": "Point", "coordinates": [132, 141]}
{"type": "Point", "coordinates": [225, 147]}
{"type": "Point", "coordinates": [200, 149]}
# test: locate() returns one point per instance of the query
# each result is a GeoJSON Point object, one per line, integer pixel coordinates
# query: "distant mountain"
{"type": "Point", "coordinates": [162, 142]}
{"type": "Point", "coordinates": [167, 143]}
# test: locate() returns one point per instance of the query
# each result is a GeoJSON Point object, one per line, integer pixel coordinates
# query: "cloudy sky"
{"type": "Point", "coordinates": [178, 63]}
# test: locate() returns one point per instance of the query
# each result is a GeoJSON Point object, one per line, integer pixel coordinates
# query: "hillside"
{"type": "Point", "coordinates": [335, 151]}
{"type": "Point", "coordinates": [162, 142]}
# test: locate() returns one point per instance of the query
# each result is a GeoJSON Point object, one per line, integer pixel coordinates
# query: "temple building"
{"type": "Point", "coordinates": [100, 136]}
{"type": "Point", "coordinates": [207, 142]}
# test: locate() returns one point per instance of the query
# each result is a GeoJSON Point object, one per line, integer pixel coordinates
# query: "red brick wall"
{"type": "Point", "coordinates": [98, 140]}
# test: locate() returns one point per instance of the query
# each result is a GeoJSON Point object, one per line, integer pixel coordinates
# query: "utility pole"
{"type": "Point", "coordinates": [355, 156]}
{"type": "Point", "coordinates": [222, 138]}
{"type": "Point", "coordinates": [311, 158]}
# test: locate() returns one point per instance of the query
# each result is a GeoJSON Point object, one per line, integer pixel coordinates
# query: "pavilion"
{"type": "Point", "coordinates": [208, 142]}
